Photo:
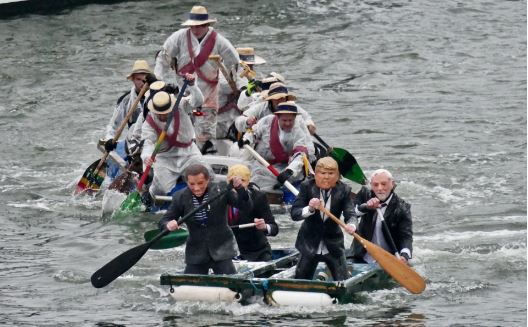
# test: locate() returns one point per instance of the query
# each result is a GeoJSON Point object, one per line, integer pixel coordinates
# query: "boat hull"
{"type": "Point", "coordinates": [273, 283]}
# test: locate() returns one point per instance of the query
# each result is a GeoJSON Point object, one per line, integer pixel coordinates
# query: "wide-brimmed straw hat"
{"type": "Point", "coordinates": [270, 79]}
{"type": "Point", "coordinates": [153, 89]}
{"type": "Point", "coordinates": [248, 56]}
{"type": "Point", "coordinates": [288, 107]}
{"type": "Point", "coordinates": [198, 16]}
{"type": "Point", "coordinates": [140, 67]}
{"type": "Point", "coordinates": [276, 91]}
{"type": "Point", "coordinates": [162, 103]}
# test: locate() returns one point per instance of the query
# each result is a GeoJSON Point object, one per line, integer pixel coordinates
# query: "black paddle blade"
{"type": "Point", "coordinates": [115, 268]}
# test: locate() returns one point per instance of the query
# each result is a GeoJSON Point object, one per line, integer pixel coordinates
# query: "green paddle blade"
{"type": "Point", "coordinates": [132, 204]}
{"type": "Point", "coordinates": [172, 240]}
{"type": "Point", "coordinates": [348, 166]}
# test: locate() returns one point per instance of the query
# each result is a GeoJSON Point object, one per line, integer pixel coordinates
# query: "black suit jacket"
{"type": "Point", "coordinates": [397, 217]}
{"type": "Point", "coordinates": [215, 240]}
{"type": "Point", "coordinates": [313, 228]}
{"type": "Point", "coordinates": [251, 239]}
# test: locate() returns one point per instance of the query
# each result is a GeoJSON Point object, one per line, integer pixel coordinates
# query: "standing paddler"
{"type": "Point", "coordinates": [188, 51]}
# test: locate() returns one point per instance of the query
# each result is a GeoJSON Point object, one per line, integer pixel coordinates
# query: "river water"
{"type": "Point", "coordinates": [434, 91]}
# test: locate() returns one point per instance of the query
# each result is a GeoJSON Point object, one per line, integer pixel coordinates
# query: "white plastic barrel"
{"type": "Point", "coordinates": [302, 298]}
{"type": "Point", "coordinates": [205, 293]}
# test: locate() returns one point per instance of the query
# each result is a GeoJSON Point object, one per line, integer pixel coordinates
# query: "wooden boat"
{"type": "Point", "coordinates": [273, 283]}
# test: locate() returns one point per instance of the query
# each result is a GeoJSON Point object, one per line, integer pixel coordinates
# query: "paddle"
{"type": "Point", "coordinates": [232, 84]}
{"type": "Point", "coordinates": [133, 201]}
{"type": "Point", "coordinates": [348, 166]}
{"type": "Point", "coordinates": [177, 237]}
{"type": "Point", "coordinates": [363, 207]}
{"type": "Point", "coordinates": [92, 176]}
{"type": "Point", "coordinates": [120, 264]}
{"type": "Point", "coordinates": [398, 270]}
{"type": "Point", "coordinates": [91, 179]}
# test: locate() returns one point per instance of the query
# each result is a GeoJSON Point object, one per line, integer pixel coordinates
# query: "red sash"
{"type": "Point", "coordinates": [195, 63]}
{"type": "Point", "coordinates": [281, 156]}
{"type": "Point", "coordinates": [171, 139]}
{"type": "Point", "coordinates": [231, 104]}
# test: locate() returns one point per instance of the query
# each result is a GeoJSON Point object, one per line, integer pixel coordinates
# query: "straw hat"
{"type": "Point", "coordinates": [198, 16]}
{"type": "Point", "coordinates": [162, 103]}
{"type": "Point", "coordinates": [153, 89]}
{"type": "Point", "coordinates": [276, 91]}
{"type": "Point", "coordinates": [288, 107]}
{"type": "Point", "coordinates": [140, 67]}
{"type": "Point", "coordinates": [248, 56]}
{"type": "Point", "coordinates": [270, 79]}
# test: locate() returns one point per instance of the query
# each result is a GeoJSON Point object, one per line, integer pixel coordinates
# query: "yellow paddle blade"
{"type": "Point", "coordinates": [398, 270]}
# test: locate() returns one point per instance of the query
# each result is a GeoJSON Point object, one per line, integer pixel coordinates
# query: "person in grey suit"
{"type": "Point", "coordinates": [320, 238]}
{"type": "Point", "coordinates": [211, 243]}
{"type": "Point", "coordinates": [396, 213]}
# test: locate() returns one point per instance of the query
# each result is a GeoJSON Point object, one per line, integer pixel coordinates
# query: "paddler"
{"type": "Point", "coordinates": [252, 242]}
{"type": "Point", "coordinates": [137, 76]}
{"type": "Point", "coordinates": [284, 141]}
{"type": "Point", "coordinates": [228, 99]}
{"type": "Point", "coordinates": [188, 50]}
{"type": "Point", "coordinates": [320, 239]}
{"type": "Point", "coordinates": [398, 236]}
{"type": "Point", "coordinates": [211, 244]}
{"type": "Point", "coordinates": [178, 150]}
{"type": "Point", "coordinates": [277, 93]}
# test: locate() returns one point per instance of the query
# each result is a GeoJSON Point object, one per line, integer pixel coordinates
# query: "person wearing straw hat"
{"type": "Point", "coordinates": [178, 150]}
{"type": "Point", "coordinates": [134, 138]}
{"type": "Point", "coordinates": [247, 99]}
{"type": "Point", "coordinates": [188, 51]}
{"type": "Point", "coordinates": [137, 76]}
{"type": "Point", "coordinates": [283, 140]}
{"type": "Point", "coordinates": [228, 100]}
{"type": "Point", "coordinates": [398, 237]}
{"type": "Point", "coordinates": [277, 93]}
{"type": "Point", "coordinates": [252, 242]}
{"type": "Point", "coordinates": [320, 238]}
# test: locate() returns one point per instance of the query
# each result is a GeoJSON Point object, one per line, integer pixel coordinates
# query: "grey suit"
{"type": "Point", "coordinates": [214, 241]}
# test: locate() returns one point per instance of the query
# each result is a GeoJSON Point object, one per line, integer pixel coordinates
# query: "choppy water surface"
{"type": "Point", "coordinates": [435, 91]}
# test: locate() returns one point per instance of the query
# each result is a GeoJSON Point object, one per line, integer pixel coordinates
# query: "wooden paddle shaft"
{"type": "Point", "coordinates": [216, 58]}
{"type": "Point", "coordinates": [397, 269]}
{"type": "Point", "coordinates": [247, 72]}
{"type": "Point", "coordinates": [123, 124]}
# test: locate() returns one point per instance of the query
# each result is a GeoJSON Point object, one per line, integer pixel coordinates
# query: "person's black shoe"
{"type": "Point", "coordinates": [208, 147]}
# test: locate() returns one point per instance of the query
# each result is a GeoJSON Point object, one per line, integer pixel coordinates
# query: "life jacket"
{"type": "Point", "coordinates": [171, 139]}
{"type": "Point", "coordinates": [279, 154]}
{"type": "Point", "coordinates": [196, 62]}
